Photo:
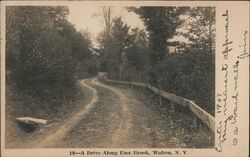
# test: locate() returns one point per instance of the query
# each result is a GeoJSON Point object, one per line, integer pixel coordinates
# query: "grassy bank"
{"type": "Point", "coordinates": [178, 123]}
{"type": "Point", "coordinates": [21, 103]}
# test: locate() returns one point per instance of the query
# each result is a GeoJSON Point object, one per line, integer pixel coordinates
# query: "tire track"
{"type": "Point", "coordinates": [69, 124]}
{"type": "Point", "coordinates": [120, 138]}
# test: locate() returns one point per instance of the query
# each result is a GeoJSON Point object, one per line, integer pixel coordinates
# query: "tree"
{"type": "Point", "coordinates": [82, 51]}
{"type": "Point", "coordinates": [137, 56]}
{"type": "Point", "coordinates": [192, 72]}
{"type": "Point", "coordinates": [39, 47]}
{"type": "Point", "coordinates": [105, 38]}
{"type": "Point", "coordinates": [199, 29]}
{"type": "Point", "coordinates": [161, 23]}
{"type": "Point", "coordinates": [21, 22]}
{"type": "Point", "coordinates": [114, 47]}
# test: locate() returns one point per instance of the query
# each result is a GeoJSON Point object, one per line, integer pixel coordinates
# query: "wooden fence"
{"type": "Point", "coordinates": [197, 111]}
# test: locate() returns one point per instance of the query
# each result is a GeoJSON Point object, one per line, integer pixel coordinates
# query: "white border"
{"type": "Point", "coordinates": [65, 152]}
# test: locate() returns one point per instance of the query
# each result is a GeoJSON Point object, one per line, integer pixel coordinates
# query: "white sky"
{"type": "Point", "coordinates": [82, 17]}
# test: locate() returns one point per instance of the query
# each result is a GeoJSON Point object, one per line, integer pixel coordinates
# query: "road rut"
{"type": "Point", "coordinates": [113, 116]}
{"type": "Point", "coordinates": [61, 132]}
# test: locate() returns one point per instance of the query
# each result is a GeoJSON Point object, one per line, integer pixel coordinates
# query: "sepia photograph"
{"type": "Point", "coordinates": [110, 77]}
{"type": "Point", "coordinates": [128, 80]}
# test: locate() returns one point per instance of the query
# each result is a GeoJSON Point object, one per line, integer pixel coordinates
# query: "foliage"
{"type": "Point", "coordinates": [137, 56]}
{"type": "Point", "coordinates": [124, 52]}
{"type": "Point", "coordinates": [199, 29]}
{"type": "Point", "coordinates": [161, 23]}
{"type": "Point", "coordinates": [191, 73]}
{"type": "Point", "coordinates": [42, 48]}
{"type": "Point", "coordinates": [192, 78]}
{"type": "Point", "coordinates": [113, 46]}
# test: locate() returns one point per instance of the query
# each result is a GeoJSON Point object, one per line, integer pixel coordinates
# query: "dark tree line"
{"type": "Point", "coordinates": [43, 50]}
{"type": "Point", "coordinates": [143, 55]}
{"type": "Point", "coordinates": [123, 51]}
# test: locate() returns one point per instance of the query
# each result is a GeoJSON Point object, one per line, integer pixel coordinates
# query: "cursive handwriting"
{"type": "Point", "coordinates": [218, 147]}
{"type": "Point", "coordinates": [225, 128]}
{"type": "Point", "coordinates": [235, 96]}
{"type": "Point", "coordinates": [226, 42]}
{"type": "Point", "coordinates": [224, 68]}
{"type": "Point", "coordinates": [244, 54]}
{"type": "Point", "coordinates": [222, 133]}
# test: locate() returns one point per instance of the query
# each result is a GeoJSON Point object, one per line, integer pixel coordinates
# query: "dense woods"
{"type": "Point", "coordinates": [45, 54]}
{"type": "Point", "coordinates": [52, 64]}
{"type": "Point", "coordinates": [144, 55]}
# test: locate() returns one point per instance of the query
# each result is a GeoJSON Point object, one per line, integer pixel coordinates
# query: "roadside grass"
{"type": "Point", "coordinates": [22, 103]}
{"type": "Point", "coordinates": [179, 121]}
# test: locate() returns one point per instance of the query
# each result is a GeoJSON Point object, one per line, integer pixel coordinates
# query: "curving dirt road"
{"type": "Point", "coordinates": [122, 132]}
{"type": "Point", "coordinates": [116, 117]}
{"type": "Point", "coordinates": [121, 129]}
{"type": "Point", "coordinates": [71, 123]}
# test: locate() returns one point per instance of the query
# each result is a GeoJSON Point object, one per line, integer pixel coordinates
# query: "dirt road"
{"type": "Point", "coordinates": [116, 117]}
{"type": "Point", "coordinates": [71, 123]}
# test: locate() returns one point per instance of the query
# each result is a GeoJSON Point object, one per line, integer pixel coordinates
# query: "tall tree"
{"type": "Point", "coordinates": [39, 47]}
{"type": "Point", "coordinates": [108, 18]}
{"type": "Point", "coordinates": [192, 72]}
{"type": "Point", "coordinates": [161, 23]}
{"type": "Point", "coordinates": [137, 55]}
{"type": "Point", "coordinates": [121, 40]}
{"type": "Point", "coordinates": [200, 29]}
{"type": "Point", "coordinates": [116, 43]}
{"type": "Point", "coordinates": [104, 38]}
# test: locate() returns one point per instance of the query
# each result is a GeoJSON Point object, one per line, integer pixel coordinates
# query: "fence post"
{"type": "Point", "coordinates": [195, 121]}
{"type": "Point", "coordinates": [172, 106]}
{"type": "Point", "coordinates": [160, 100]}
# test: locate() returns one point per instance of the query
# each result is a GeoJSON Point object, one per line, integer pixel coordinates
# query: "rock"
{"type": "Point", "coordinates": [31, 120]}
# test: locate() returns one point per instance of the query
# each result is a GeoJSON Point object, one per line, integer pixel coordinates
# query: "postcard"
{"type": "Point", "coordinates": [124, 78]}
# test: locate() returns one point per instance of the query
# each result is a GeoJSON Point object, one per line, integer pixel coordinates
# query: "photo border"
{"type": "Point", "coordinates": [65, 151]}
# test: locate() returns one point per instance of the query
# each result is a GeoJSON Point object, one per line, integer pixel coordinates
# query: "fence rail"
{"type": "Point", "coordinates": [198, 112]}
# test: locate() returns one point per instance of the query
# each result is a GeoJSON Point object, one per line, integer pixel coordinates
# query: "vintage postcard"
{"type": "Point", "coordinates": [124, 78]}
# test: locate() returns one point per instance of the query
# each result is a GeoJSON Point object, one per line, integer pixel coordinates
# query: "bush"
{"type": "Point", "coordinates": [43, 50]}
{"type": "Point", "coordinates": [190, 75]}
